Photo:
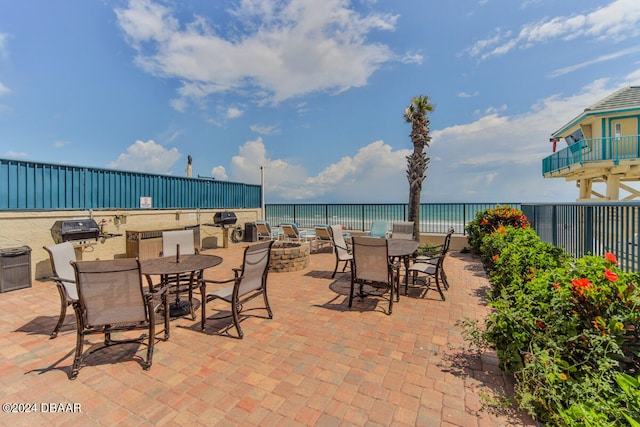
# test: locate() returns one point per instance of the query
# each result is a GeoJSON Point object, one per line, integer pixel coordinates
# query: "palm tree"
{"type": "Point", "coordinates": [416, 114]}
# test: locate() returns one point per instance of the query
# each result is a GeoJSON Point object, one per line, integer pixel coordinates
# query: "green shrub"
{"type": "Point", "coordinates": [567, 329]}
{"type": "Point", "coordinates": [514, 256]}
{"type": "Point", "coordinates": [489, 220]}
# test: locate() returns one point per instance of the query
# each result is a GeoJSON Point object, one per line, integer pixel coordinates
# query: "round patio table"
{"type": "Point", "coordinates": [165, 267]}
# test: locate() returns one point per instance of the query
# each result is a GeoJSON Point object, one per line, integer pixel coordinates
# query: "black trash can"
{"type": "Point", "coordinates": [250, 232]}
{"type": "Point", "coordinates": [15, 268]}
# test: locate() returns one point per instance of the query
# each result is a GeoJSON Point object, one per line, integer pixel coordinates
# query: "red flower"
{"type": "Point", "coordinates": [495, 257]}
{"type": "Point", "coordinates": [611, 258]}
{"type": "Point", "coordinates": [555, 285]}
{"type": "Point", "coordinates": [610, 275]}
{"type": "Point", "coordinates": [540, 324]}
{"type": "Point", "coordinates": [484, 222]}
{"type": "Point", "coordinates": [581, 283]}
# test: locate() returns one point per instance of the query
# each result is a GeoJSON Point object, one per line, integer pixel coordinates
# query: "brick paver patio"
{"type": "Point", "coordinates": [315, 363]}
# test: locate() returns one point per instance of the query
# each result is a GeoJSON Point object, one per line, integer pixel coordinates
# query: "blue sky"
{"type": "Point", "coordinates": [313, 91]}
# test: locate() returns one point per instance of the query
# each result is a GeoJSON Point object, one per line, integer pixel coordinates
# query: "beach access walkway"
{"type": "Point", "coordinates": [317, 362]}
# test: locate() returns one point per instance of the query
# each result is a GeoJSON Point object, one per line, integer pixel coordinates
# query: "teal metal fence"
{"type": "Point", "coordinates": [596, 228]}
{"type": "Point", "coordinates": [435, 218]}
{"type": "Point", "coordinates": [593, 150]}
{"type": "Point", "coordinates": [44, 186]}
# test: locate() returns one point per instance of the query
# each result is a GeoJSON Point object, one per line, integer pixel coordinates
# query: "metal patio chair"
{"type": "Point", "coordinates": [249, 281]}
{"type": "Point", "coordinates": [340, 248]}
{"type": "Point", "coordinates": [111, 299]}
{"type": "Point", "coordinates": [379, 229]}
{"type": "Point", "coordinates": [402, 230]}
{"type": "Point", "coordinates": [439, 251]}
{"type": "Point", "coordinates": [61, 256]}
{"type": "Point", "coordinates": [371, 266]}
{"type": "Point", "coordinates": [175, 243]}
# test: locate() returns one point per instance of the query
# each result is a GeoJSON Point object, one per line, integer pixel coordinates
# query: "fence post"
{"type": "Point", "coordinates": [588, 230]}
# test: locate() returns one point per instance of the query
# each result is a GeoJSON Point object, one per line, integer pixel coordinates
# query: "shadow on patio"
{"type": "Point", "coordinates": [315, 363]}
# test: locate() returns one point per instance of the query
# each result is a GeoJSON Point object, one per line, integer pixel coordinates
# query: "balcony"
{"type": "Point", "coordinates": [592, 153]}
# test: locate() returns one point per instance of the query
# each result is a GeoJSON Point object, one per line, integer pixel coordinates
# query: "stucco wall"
{"type": "Point", "coordinates": [33, 229]}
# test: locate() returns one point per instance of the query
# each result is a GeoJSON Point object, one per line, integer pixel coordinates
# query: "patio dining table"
{"type": "Point", "coordinates": [165, 267]}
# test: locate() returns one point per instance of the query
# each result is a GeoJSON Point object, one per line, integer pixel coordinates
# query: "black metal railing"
{"type": "Point", "coordinates": [590, 228]}
{"type": "Point", "coordinates": [435, 218]}
{"type": "Point", "coordinates": [579, 228]}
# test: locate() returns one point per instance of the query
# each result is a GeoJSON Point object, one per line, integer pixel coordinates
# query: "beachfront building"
{"type": "Point", "coordinates": [602, 150]}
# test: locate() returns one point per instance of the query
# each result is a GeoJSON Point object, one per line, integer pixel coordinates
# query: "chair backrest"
{"type": "Point", "coordinates": [290, 230]}
{"type": "Point", "coordinates": [379, 229]}
{"type": "Point", "coordinates": [323, 232]}
{"type": "Point", "coordinates": [184, 238]}
{"type": "Point", "coordinates": [370, 259]}
{"type": "Point", "coordinates": [402, 230]}
{"type": "Point", "coordinates": [110, 291]}
{"type": "Point", "coordinates": [264, 230]}
{"type": "Point", "coordinates": [255, 267]}
{"type": "Point", "coordinates": [338, 242]}
{"type": "Point", "coordinates": [61, 257]}
{"type": "Point", "coordinates": [447, 241]}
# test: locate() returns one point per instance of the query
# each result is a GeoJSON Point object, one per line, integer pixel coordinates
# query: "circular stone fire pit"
{"type": "Point", "coordinates": [289, 256]}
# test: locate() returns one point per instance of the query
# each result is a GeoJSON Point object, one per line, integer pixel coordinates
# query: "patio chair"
{"type": "Point", "coordinates": [61, 256]}
{"type": "Point", "coordinates": [436, 252]}
{"type": "Point", "coordinates": [184, 241]}
{"type": "Point", "coordinates": [379, 229]}
{"type": "Point", "coordinates": [341, 249]}
{"type": "Point", "coordinates": [183, 238]}
{"type": "Point", "coordinates": [111, 299]}
{"type": "Point", "coordinates": [323, 237]}
{"type": "Point", "coordinates": [402, 230]}
{"type": "Point", "coordinates": [432, 269]}
{"type": "Point", "coordinates": [291, 232]}
{"type": "Point", "coordinates": [371, 266]}
{"type": "Point", "coordinates": [265, 232]}
{"type": "Point", "coordinates": [249, 281]}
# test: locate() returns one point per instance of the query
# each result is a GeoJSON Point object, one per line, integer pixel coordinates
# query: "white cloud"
{"type": "Point", "coordinates": [60, 144]}
{"type": "Point", "coordinates": [602, 58]}
{"type": "Point", "coordinates": [4, 90]}
{"type": "Point", "coordinates": [265, 130]}
{"type": "Point", "coordinates": [285, 49]}
{"type": "Point", "coordinates": [4, 41]}
{"type": "Point", "coordinates": [146, 157]}
{"type": "Point", "coordinates": [496, 157]}
{"type": "Point", "coordinates": [219, 172]}
{"type": "Point", "coordinates": [233, 113]}
{"type": "Point", "coordinates": [15, 154]}
{"type": "Point", "coordinates": [618, 20]}
{"type": "Point", "coordinates": [464, 94]}
{"type": "Point", "coordinates": [373, 174]}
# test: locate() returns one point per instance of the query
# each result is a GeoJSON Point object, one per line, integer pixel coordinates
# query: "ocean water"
{"type": "Point", "coordinates": [434, 217]}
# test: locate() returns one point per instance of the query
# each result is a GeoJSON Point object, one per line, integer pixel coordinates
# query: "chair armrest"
{"type": "Point", "coordinates": [163, 290]}
{"type": "Point", "coordinates": [61, 280]}
{"type": "Point", "coordinates": [221, 282]}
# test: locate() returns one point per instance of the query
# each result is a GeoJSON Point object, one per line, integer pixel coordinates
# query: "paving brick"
{"type": "Point", "coordinates": [315, 363]}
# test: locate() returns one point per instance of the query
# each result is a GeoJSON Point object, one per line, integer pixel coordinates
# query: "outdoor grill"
{"type": "Point", "coordinates": [224, 218]}
{"type": "Point", "coordinates": [75, 230]}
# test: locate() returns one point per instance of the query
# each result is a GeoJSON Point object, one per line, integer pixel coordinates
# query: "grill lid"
{"type": "Point", "coordinates": [75, 229]}
{"type": "Point", "coordinates": [224, 218]}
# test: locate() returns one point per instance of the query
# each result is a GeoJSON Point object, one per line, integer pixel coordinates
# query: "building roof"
{"type": "Point", "coordinates": [625, 98]}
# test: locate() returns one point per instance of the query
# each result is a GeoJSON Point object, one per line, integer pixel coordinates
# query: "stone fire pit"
{"type": "Point", "coordinates": [289, 256]}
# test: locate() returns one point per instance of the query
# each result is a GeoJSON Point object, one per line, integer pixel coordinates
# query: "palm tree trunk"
{"type": "Point", "coordinates": [416, 173]}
